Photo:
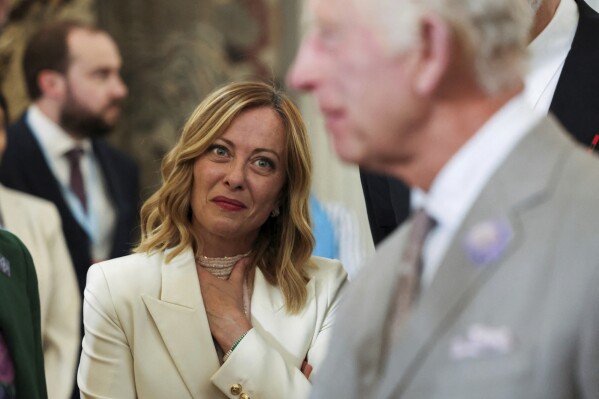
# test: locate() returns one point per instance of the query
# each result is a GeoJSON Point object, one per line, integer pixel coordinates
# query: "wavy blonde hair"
{"type": "Point", "coordinates": [284, 244]}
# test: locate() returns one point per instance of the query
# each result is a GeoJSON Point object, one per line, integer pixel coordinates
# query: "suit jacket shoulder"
{"type": "Point", "coordinates": [576, 98]}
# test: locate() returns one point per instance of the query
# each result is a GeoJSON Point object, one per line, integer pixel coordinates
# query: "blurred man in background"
{"type": "Point", "coordinates": [56, 151]}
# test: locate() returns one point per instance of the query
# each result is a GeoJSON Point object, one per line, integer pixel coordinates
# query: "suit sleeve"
{"type": "Point", "coordinates": [588, 347]}
{"type": "Point", "coordinates": [264, 372]}
{"type": "Point", "coordinates": [62, 324]}
{"type": "Point", "coordinates": [106, 366]}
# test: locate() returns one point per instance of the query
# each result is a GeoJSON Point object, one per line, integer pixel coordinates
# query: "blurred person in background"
{"type": "Point", "coordinates": [37, 224]}
{"type": "Point", "coordinates": [21, 356]}
{"type": "Point", "coordinates": [55, 150]}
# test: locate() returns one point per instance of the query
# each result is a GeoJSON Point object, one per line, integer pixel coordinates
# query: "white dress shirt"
{"type": "Point", "coordinates": [461, 180]}
{"type": "Point", "coordinates": [99, 222]}
{"type": "Point", "coordinates": [548, 53]}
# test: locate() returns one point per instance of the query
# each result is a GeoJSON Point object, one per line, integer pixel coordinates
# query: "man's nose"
{"type": "Point", "coordinates": [119, 88]}
{"type": "Point", "coordinates": [302, 73]}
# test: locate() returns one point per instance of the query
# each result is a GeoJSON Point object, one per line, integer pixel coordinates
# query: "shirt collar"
{"type": "Point", "coordinates": [558, 34]}
{"type": "Point", "coordinates": [461, 180]}
{"type": "Point", "coordinates": [54, 139]}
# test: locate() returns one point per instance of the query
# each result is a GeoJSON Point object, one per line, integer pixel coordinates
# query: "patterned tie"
{"type": "Point", "coordinates": [409, 279]}
{"type": "Point", "coordinates": [7, 372]}
{"type": "Point", "coordinates": [76, 180]}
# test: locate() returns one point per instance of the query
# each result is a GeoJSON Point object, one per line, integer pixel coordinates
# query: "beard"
{"type": "Point", "coordinates": [535, 4]}
{"type": "Point", "coordinates": [84, 123]}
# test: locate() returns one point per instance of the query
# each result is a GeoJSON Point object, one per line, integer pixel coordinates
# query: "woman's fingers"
{"type": "Point", "coordinates": [239, 270]}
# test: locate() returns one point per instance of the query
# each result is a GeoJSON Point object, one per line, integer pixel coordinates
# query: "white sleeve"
{"type": "Point", "coordinates": [106, 367]}
{"type": "Point", "coordinates": [263, 372]}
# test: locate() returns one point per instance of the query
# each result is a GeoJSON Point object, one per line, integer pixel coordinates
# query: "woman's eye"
{"type": "Point", "coordinates": [264, 163]}
{"type": "Point", "coordinates": [219, 150]}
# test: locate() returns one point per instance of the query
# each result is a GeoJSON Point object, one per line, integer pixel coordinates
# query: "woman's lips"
{"type": "Point", "coordinates": [228, 204]}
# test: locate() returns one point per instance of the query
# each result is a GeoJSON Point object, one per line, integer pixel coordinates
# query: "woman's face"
{"type": "Point", "coordinates": [237, 182]}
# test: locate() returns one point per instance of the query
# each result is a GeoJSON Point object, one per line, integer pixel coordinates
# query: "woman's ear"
{"type": "Point", "coordinates": [52, 84]}
{"type": "Point", "coordinates": [434, 57]}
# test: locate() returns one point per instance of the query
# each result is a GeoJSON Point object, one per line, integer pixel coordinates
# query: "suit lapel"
{"type": "Point", "coordinates": [459, 277]}
{"type": "Point", "coordinates": [36, 171]}
{"type": "Point", "coordinates": [180, 317]}
{"type": "Point", "coordinates": [110, 176]}
{"type": "Point", "coordinates": [290, 334]}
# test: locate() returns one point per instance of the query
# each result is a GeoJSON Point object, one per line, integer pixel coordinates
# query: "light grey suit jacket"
{"type": "Point", "coordinates": [518, 322]}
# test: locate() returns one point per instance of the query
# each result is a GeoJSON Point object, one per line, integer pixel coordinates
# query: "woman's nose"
{"type": "Point", "coordinates": [235, 175]}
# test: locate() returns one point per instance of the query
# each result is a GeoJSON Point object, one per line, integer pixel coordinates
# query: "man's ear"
{"type": "Point", "coordinates": [436, 41]}
{"type": "Point", "coordinates": [52, 84]}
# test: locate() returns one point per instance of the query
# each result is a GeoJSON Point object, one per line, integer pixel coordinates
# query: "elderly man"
{"type": "Point", "coordinates": [562, 78]}
{"type": "Point", "coordinates": [490, 289]}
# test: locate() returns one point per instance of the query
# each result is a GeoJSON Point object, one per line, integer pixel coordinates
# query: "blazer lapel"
{"type": "Point", "coordinates": [35, 169]}
{"type": "Point", "coordinates": [284, 331]}
{"type": "Point", "coordinates": [180, 317]}
{"type": "Point", "coordinates": [459, 277]}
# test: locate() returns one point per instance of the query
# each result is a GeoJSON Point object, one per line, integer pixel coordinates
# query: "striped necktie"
{"type": "Point", "coordinates": [408, 285]}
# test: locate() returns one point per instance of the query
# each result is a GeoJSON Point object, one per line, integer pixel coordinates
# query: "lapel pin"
{"type": "Point", "coordinates": [4, 265]}
{"type": "Point", "coordinates": [486, 241]}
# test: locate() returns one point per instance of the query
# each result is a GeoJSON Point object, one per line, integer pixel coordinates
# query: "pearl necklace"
{"type": "Point", "coordinates": [220, 267]}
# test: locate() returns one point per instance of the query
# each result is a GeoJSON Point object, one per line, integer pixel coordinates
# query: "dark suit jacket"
{"type": "Point", "coordinates": [24, 168]}
{"type": "Point", "coordinates": [20, 318]}
{"type": "Point", "coordinates": [575, 103]}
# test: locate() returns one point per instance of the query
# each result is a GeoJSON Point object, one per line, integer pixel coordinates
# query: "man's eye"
{"type": "Point", "coordinates": [102, 74]}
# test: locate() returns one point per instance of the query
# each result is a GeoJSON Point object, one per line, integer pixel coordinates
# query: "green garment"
{"type": "Point", "coordinates": [20, 317]}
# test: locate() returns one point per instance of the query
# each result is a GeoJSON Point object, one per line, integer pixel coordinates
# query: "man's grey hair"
{"type": "Point", "coordinates": [494, 32]}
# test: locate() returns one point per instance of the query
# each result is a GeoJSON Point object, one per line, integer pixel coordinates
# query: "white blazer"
{"type": "Point", "coordinates": [37, 223]}
{"type": "Point", "coordinates": [147, 335]}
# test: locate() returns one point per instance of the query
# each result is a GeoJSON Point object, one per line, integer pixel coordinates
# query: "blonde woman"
{"type": "Point", "coordinates": [222, 298]}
